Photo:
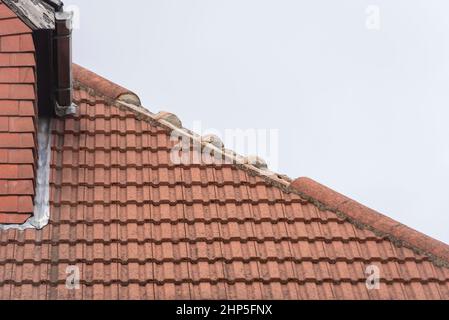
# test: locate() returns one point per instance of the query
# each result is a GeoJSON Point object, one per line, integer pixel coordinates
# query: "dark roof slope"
{"type": "Point", "coordinates": [140, 227]}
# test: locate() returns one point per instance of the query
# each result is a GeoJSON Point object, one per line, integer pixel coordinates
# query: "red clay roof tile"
{"type": "Point", "coordinates": [141, 227]}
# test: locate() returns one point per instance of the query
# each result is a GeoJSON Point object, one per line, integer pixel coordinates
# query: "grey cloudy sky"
{"type": "Point", "coordinates": [363, 111]}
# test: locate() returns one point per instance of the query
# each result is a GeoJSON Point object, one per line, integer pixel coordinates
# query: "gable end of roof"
{"type": "Point", "coordinates": [366, 218]}
{"type": "Point", "coordinates": [309, 190]}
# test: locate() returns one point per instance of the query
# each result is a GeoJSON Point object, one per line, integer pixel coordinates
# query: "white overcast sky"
{"type": "Point", "coordinates": [365, 112]}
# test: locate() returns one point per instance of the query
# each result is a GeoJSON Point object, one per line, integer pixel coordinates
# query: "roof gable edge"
{"type": "Point", "coordinates": [353, 212]}
{"type": "Point", "coordinates": [363, 217]}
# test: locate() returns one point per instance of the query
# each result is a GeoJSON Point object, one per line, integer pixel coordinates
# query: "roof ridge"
{"type": "Point", "coordinates": [103, 86]}
{"type": "Point", "coordinates": [328, 199]}
{"type": "Point", "coordinates": [114, 94]}
{"type": "Point", "coordinates": [366, 218]}
{"type": "Point", "coordinates": [161, 119]}
{"type": "Point", "coordinates": [319, 195]}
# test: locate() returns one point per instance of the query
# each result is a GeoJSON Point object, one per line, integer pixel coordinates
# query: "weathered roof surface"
{"type": "Point", "coordinates": [141, 227]}
{"type": "Point", "coordinates": [367, 218]}
{"type": "Point", "coordinates": [17, 118]}
{"type": "Point", "coordinates": [102, 86]}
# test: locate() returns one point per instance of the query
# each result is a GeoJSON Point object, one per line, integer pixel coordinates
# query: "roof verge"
{"type": "Point", "coordinates": [367, 218]}
{"type": "Point", "coordinates": [321, 196]}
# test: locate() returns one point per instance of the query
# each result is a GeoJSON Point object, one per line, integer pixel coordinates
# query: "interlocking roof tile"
{"type": "Point", "coordinates": [138, 226]}
{"type": "Point", "coordinates": [370, 219]}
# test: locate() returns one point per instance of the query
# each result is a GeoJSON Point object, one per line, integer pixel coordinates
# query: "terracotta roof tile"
{"type": "Point", "coordinates": [140, 227]}
{"type": "Point", "coordinates": [102, 86]}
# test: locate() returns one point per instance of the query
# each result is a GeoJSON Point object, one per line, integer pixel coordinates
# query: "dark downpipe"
{"type": "Point", "coordinates": [63, 63]}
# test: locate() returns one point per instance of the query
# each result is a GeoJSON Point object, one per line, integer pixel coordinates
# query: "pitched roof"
{"type": "Point", "coordinates": [367, 218]}
{"type": "Point", "coordinates": [17, 118]}
{"type": "Point", "coordinates": [139, 226]}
